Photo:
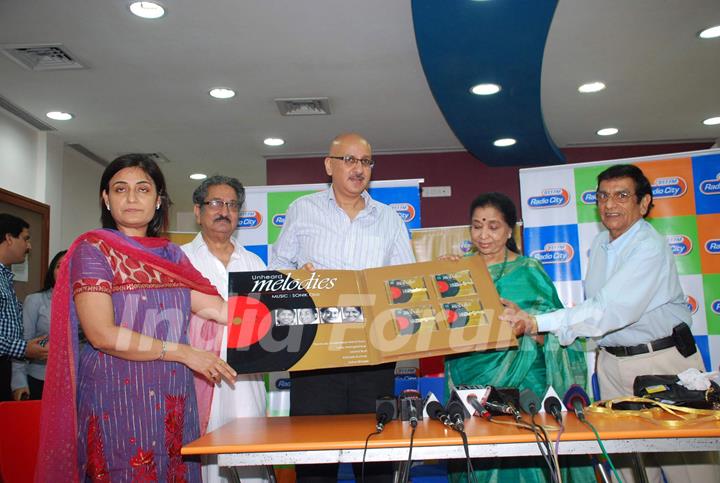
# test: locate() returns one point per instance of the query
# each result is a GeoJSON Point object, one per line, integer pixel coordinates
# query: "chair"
{"type": "Point", "coordinates": [19, 440]}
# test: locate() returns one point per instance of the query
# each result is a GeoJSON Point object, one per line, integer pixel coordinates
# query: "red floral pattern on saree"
{"type": "Point", "coordinates": [174, 419]}
{"type": "Point", "coordinates": [143, 466]}
{"type": "Point", "coordinates": [132, 274]}
{"type": "Point", "coordinates": [97, 468]}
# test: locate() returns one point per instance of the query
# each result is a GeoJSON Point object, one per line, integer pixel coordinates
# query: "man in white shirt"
{"type": "Point", "coordinates": [215, 251]}
{"type": "Point", "coordinates": [342, 228]}
{"type": "Point", "coordinates": [635, 308]}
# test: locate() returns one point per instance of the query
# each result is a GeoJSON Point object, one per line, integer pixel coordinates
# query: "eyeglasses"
{"type": "Point", "coordinates": [618, 196]}
{"type": "Point", "coordinates": [353, 161]}
{"type": "Point", "coordinates": [217, 204]}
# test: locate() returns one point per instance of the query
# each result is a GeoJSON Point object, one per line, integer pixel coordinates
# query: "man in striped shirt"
{"type": "Point", "coordinates": [342, 228]}
{"type": "Point", "coordinates": [14, 246]}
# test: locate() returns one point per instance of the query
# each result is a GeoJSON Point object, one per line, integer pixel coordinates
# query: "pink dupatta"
{"type": "Point", "coordinates": [58, 453]}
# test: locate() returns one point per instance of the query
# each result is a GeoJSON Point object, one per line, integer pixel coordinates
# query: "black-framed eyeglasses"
{"type": "Point", "coordinates": [618, 196]}
{"type": "Point", "coordinates": [216, 204]}
{"type": "Point", "coordinates": [353, 161]}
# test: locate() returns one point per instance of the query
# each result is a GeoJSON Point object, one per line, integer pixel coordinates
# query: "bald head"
{"type": "Point", "coordinates": [339, 145]}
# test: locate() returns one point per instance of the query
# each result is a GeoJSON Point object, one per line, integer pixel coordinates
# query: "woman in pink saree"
{"type": "Point", "coordinates": [120, 407]}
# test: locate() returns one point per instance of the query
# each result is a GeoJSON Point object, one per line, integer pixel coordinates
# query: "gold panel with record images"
{"type": "Point", "coordinates": [409, 321]}
{"type": "Point", "coordinates": [465, 313]}
{"type": "Point", "coordinates": [406, 290]}
{"type": "Point", "coordinates": [456, 284]}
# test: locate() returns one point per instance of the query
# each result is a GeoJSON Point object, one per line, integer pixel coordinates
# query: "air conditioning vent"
{"type": "Point", "coordinates": [41, 57]}
{"type": "Point", "coordinates": [159, 158]}
{"type": "Point", "coordinates": [304, 106]}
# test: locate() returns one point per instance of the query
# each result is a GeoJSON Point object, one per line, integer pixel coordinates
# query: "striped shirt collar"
{"type": "Point", "coordinates": [370, 203]}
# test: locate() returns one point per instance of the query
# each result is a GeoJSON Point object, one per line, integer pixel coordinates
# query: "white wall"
{"type": "Point", "coordinates": [39, 166]}
{"type": "Point", "coordinates": [80, 205]}
{"type": "Point", "coordinates": [18, 156]}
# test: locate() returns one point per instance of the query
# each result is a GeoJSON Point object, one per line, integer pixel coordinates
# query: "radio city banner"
{"type": "Point", "coordinates": [561, 219]}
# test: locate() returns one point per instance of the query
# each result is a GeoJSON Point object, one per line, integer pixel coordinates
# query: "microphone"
{"type": "Point", "coordinates": [575, 400]}
{"type": "Point", "coordinates": [462, 393]}
{"type": "Point", "coordinates": [413, 415]}
{"type": "Point", "coordinates": [435, 411]}
{"type": "Point", "coordinates": [410, 406]}
{"type": "Point", "coordinates": [456, 413]}
{"type": "Point", "coordinates": [472, 399]}
{"type": "Point", "coordinates": [529, 402]}
{"type": "Point", "coordinates": [385, 411]}
{"type": "Point", "coordinates": [503, 401]}
{"type": "Point", "coordinates": [501, 408]}
{"type": "Point", "coordinates": [552, 405]}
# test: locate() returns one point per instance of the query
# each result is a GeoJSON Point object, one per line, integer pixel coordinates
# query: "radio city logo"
{"type": "Point", "coordinates": [712, 246]}
{"type": "Point", "coordinates": [550, 198]}
{"type": "Point", "coordinates": [710, 186]}
{"type": "Point", "coordinates": [679, 244]}
{"type": "Point", "coordinates": [466, 246]}
{"type": "Point", "coordinates": [669, 187]}
{"type": "Point", "coordinates": [249, 219]}
{"type": "Point", "coordinates": [715, 306]}
{"type": "Point", "coordinates": [589, 197]}
{"type": "Point", "coordinates": [405, 210]}
{"type": "Point", "coordinates": [557, 252]}
{"type": "Point", "coordinates": [279, 219]}
{"type": "Point", "coordinates": [691, 304]}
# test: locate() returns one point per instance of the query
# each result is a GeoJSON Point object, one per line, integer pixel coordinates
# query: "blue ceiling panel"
{"type": "Point", "coordinates": [467, 42]}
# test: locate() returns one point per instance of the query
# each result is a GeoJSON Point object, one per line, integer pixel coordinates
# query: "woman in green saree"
{"type": "Point", "coordinates": [534, 364]}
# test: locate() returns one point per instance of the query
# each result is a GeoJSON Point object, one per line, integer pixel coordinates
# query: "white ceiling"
{"type": "Point", "coordinates": [145, 89]}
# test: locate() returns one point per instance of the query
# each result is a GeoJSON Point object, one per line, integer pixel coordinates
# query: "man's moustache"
{"type": "Point", "coordinates": [221, 218]}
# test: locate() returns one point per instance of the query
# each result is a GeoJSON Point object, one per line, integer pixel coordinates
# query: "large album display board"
{"type": "Point", "coordinates": [299, 320]}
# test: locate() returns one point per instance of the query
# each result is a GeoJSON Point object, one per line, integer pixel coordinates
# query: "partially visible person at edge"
{"type": "Point", "coordinates": [635, 308]}
{"type": "Point", "coordinates": [216, 251]}
{"type": "Point", "coordinates": [534, 364]}
{"type": "Point", "coordinates": [28, 377]}
{"type": "Point", "coordinates": [120, 407]}
{"type": "Point", "coordinates": [342, 228]}
{"type": "Point", "coordinates": [14, 247]}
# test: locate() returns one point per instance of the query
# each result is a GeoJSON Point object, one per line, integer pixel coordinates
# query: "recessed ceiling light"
{"type": "Point", "coordinates": [710, 33]}
{"type": "Point", "coordinates": [59, 115]}
{"type": "Point", "coordinates": [712, 121]}
{"type": "Point", "coordinates": [149, 10]}
{"type": "Point", "coordinates": [221, 93]}
{"type": "Point", "coordinates": [485, 89]}
{"type": "Point", "coordinates": [591, 87]}
{"type": "Point", "coordinates": [274, 141]}
{"type": "Point", "coordinates": [504, 142]}
{"type": "Point", "coordinates": [608, 131]}
{"type": "Point", "coordinates": [198, 176]}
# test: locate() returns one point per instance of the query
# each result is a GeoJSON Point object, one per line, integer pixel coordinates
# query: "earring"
{"type": "Point", "coordinates": [157, 207]}
{"type": "Point", "coordinates": [107, 205]}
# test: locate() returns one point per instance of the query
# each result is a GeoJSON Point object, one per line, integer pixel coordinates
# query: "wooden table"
{"type": "Point", "coordinates": [330, 439]}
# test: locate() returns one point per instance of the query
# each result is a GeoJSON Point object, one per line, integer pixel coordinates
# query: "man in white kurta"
{"type": "Point", "coordinates": [215, 251]}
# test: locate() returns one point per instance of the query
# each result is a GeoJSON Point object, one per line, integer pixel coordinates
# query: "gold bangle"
{"type": "Point", "coordinates": [163, 351]}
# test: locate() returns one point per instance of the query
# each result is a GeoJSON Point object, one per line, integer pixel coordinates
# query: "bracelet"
{"type": "Point", "coordinates": [163, 351]}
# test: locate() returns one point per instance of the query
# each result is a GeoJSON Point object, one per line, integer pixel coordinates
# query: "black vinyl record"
{"type": "Point", "coordinates": [256, 344]}
{"type": "Point", "coordinates": [406, 321]}
{"type": "Point", "coordinates": [447, 285]}
{"type": "Point", "coordinates": [400, 292]}
{"type": "Point", "coordinates": [457, 315]}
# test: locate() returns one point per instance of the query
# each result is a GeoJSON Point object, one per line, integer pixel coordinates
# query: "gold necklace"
{"type": "Point", "coordinates": [502, 268]}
